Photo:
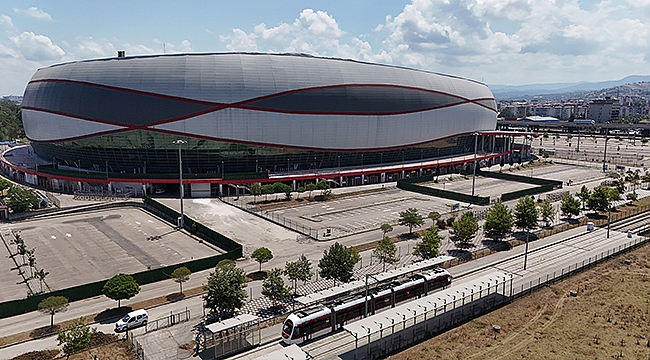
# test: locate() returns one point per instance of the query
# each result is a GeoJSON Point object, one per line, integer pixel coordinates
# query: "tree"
{"type": "Point", "coordinates": [31, 259]}
{"type": "Point", "coordinates": [631, 196]}
{"type": "Point", "coordinates": [411, 218]}
{"type": "Point", "coordinates": [20, 199]}
{"type": "Point", "coordinates": [601, 197]}
{"type": "Point", "coordinates": [324, 188]}
{"type": "Point", "coordinates": [646, 178]}
{"type": "Point", "coordinates": [429, 246]}
{"type": "Point", "coordinates": [11, 125]}
{"type": "Point", "coordinates": [266, 190]}
{"type": "Point", "coordinates": [262, 255]}
{"type": "Point", "coordinates": [274, 288]}
{"type": "Point", "coordinates": [120, 287]}
{"type": "Point", "coordinates": [75, 337]}
{"type": "Point", "coordinates": [464, 229]}
{"type": "Point", "coordinates": [506, 113]}
{"type": "Point", "coordinates": [256, 190]}
{"type": "Point", "coordinates": [385, 252]}
{"type": "Point", "coordinates": [300, 190]}
{"type": "Point", "coordinates": [498, 221]}
{"type": "Point", "coordinates": [225, 290]}
{"type": "Point", "coordinates": [546, 212]}
{"type": "Point", "coordinates": [279, 187]}
{"type": "Point", "coordinates": [310, 187]}
{"type": "Point", "coordinates": [434, 216]}
{"type": "Point", "coordinates": [322, 185]}
{"type": "Point", "coordinates": [181, 275]}
{"type": "Point", "coordinates": [633, 177]}
{"type": "Point", "coordinates": [570, 206]}
{"type": "Point", "coordinates": [338, 263]}
{"type": "Point", "coordinates": [526, 213]}
{"type": "Point", "coordinates": [526, 219]}
{"type": "Point", "coordinates": [298, 270]}
{"type": "Point", "coordinates": [386, 228]}
{"type": "Point", "coordinates": [41, 274]}
{"type": "Point", "coordinates": [584, 195]}
{"type": "Point", "coordinates": [52, 305]}
{"type": "Point", "coordinates": [4, 184]}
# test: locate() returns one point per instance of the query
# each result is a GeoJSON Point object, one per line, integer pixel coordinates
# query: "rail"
{"type": "Point", "coordinates": [425, 321]}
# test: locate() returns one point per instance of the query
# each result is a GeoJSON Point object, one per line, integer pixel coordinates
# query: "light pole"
{"type": "Point", "coordinates": [365, 314]}
{"type": "Point", "coordinates": [179, 142]}
{"type": "Point", "coordinates": [605, 154]}
{"type": "Point", "coordinates": [526, 252]}
{"type": "Point", "coordinates": [609, 208]}
{"type": "Point", "coordinates": [475, 148]}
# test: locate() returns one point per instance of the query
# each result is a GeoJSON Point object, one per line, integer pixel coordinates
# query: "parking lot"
{"type": "Point", "coordinates": [79, 249]}
{"type": "Point", "coordinates": [363, 212]}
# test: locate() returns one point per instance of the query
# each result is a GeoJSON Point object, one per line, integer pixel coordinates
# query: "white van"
{"type": "Point", "coordinates": [131, 320]}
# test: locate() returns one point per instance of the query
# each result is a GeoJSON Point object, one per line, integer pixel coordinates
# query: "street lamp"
{"type": "Point", "coordinates": [475, 148]}
{"type": "Point", "coordinates": [605, 154]}
{"type": "Point", "coordinates": [179, 142]}
{"type": "Point", "coordinates": [365, 314]}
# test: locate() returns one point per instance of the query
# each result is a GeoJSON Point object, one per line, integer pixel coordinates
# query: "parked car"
{"type": "Point", "coordinates": [131, 320]}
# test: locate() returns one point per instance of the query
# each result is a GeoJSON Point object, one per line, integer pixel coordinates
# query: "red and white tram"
{"type": "Point", "coordinates": [332, 315]}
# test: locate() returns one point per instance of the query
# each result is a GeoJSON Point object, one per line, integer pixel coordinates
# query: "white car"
{"type": "Point", "coordinates": [131, 320]}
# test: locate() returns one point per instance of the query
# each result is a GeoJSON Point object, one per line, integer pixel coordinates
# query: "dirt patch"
{"type": "Point", "coordinates": [38, 355]}
{"type": "Point", "coordinates": [104, 346]}
{"type": "Point", "coordinates": [609, 318]}
{"type": "Point", "coordinates": [271, 203]}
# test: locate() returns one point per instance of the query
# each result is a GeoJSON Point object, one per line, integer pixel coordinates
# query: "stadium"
{"type": "Point", "coordinates": [248, 117]}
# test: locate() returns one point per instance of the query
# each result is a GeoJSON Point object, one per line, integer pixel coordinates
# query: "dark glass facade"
{"type": "Point", "coordinates": [143, 151]}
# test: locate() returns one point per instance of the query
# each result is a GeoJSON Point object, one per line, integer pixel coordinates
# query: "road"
{"type": "Point", "coordinates": [283, 243]}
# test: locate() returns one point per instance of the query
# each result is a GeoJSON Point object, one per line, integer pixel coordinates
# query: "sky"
{"type": "Point", "coordinates": [505, 42]}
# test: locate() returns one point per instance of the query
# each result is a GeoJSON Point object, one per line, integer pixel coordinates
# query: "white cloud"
{"type": "Point", "coordinates": [240, 41]}
{"type": "Point", "coordinates": [558, 40]}
{"type": "Point", "coordinates": [312, 32]}
{"type": "Point", "coordinates": [318, 23]}
{"type": "Point", "coordinates": [36, 47]}
{"type": "Point", "coordinates": [6, 21]}
{"type": "Point", "coordinates": [186, 46]}
{"type": "Point", "coordinates": [89, 48]}
{"type": "Point", "coordinates": [35, 13]}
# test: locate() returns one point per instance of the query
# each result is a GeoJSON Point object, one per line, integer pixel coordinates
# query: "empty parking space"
{"type": "Point", "coordinates": [94, 246]}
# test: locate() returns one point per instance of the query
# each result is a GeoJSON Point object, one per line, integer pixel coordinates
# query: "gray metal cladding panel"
{"type": "Point", "coordinates": [106, 105]}
{"type": "Point", "coordinates": [235, 77]}
{"type": "Point", "coordinates": [356, 100]}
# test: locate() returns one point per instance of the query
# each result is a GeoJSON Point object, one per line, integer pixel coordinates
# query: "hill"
{"type": "Point", "coordinates": [11, 124]}
{"type": "Point", "coordinates": [568, 90]}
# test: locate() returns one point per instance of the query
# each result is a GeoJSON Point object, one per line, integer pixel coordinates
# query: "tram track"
{"type": "Point", "coordinates": [582, 246]}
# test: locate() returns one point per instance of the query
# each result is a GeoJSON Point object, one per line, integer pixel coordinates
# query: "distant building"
{"type": "Point", "coordinates": [604, 110]}
{"type": "Point", "coordinates": [541, 119]}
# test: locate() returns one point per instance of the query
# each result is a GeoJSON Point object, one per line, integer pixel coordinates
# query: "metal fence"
{"type": "Point", "coordinates": [467, 306]}
{"type": "Point", "coordinates": [242, 203]}
{"type": "Point", "coordinates": [137, 348]}
{"type": "Point", "coordinates": [167, 321]}
{"type": "Point", "coordinates": [101, 196]}
{"type": "Point", "coordinates": [154, 325]}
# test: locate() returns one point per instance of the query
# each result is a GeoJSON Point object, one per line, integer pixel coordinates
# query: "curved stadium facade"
{"type": "Point", "coordinates": [248, 113]}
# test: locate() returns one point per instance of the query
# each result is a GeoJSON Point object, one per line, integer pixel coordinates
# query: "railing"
{"type": "Point", "coordinates": [137, 348]}
{"type": "Point", "coordinates": [465, 307]}
{"type": "Point", "coordinates": [167, 321]}
{"type": "Point", "coordinates": [101, 196]}
{"type": "Point", "coordinates": [275, 218]}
